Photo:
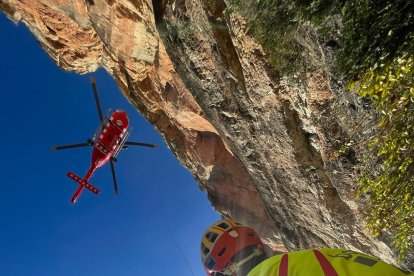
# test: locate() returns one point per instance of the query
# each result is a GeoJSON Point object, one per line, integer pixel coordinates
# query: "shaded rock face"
{"type": "Point", "coordinates": [259, 145]}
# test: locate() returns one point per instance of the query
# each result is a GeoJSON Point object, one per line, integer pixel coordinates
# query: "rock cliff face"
{"type": "Point", "coordinates": [259, 145]}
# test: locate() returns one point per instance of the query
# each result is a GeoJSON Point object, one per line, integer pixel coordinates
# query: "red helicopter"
{"type": "Point", "coordinates": [109, 139]}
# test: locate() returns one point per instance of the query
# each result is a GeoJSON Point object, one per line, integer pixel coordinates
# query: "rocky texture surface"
{"type": "Point", "coordinates": [260, 146]}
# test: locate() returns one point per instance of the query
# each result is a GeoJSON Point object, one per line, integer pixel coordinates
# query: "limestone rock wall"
{"type": "Point", "coordinates": [254, 141]}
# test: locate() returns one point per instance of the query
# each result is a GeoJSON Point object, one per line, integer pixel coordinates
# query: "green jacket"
{"type": "Point", "coordinates": [325, 262]}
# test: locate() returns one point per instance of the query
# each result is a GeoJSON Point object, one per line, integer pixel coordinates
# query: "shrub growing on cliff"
{"type": "Point", "coordinates": [377, 50]}
{"type": "Point", "coordinates": [374, 33]}
{"type": "Point", "coordinates": [390, 185]}
{"type": "Point", "coordinates": [276, 24]}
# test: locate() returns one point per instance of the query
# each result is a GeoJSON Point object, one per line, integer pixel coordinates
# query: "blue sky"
{"type": "Point", "coordinates": [41, 232]}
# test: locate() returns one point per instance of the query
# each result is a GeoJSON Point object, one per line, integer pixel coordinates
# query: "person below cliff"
{"type": "Point", "coordinates": [229, 248]}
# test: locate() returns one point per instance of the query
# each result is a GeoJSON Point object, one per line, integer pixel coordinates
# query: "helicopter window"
{"type": "Point", "coordinates": [223, 225]}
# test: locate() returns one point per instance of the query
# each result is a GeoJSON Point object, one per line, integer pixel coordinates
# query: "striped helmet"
{"type": "Point", "coordinates": [222, 241]}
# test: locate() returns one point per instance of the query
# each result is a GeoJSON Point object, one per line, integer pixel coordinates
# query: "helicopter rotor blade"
{"type": "Point", "coordinates": [113, 177]}
{"type": "Point", "coordinates": [95, 93]}
{"type": "Point", "coordinates": [71, 146]}
{"type": "Point", "coordinates": [141, 144]}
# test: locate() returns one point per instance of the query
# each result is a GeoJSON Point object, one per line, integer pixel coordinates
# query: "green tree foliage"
{"type": "Point", "coordinates": [376, 52]}
{"type": "Point", "coordinates": [391, 185]}
{"type": "Point", "coordinates": [374, 33]}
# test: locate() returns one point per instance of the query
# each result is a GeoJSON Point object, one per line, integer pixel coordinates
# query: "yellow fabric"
{"type": "Point", "coordinates": [345, 262]}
